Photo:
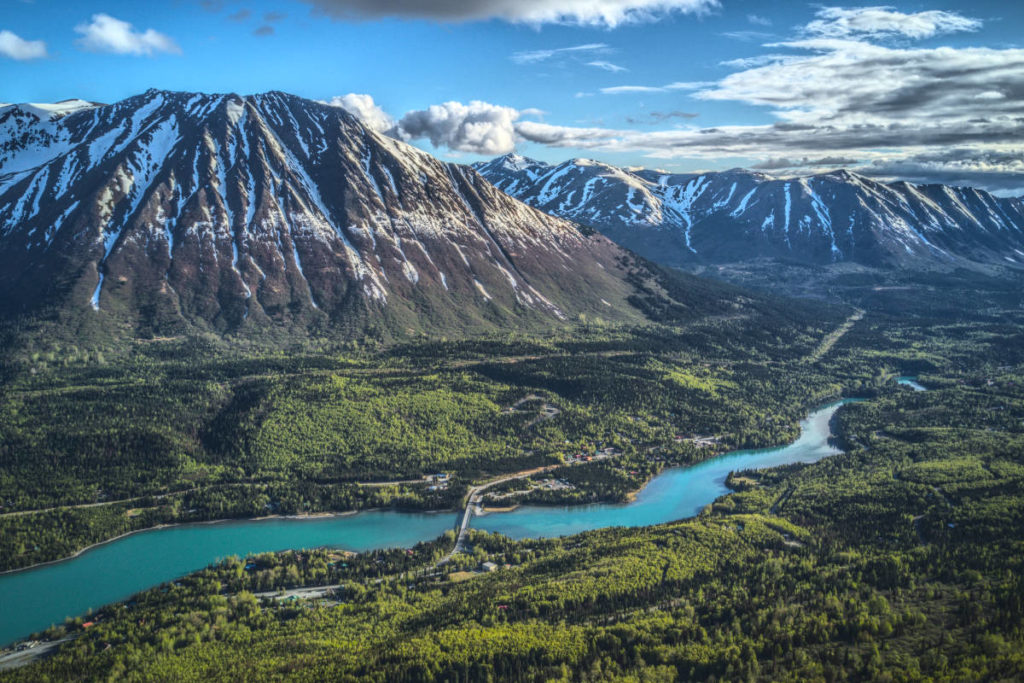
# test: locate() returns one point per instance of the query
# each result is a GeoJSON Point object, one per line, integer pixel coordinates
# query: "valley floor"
{"type": "Point", "coordinates": [898, 560]}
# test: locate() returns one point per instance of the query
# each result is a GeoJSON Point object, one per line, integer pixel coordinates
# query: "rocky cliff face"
{"type": "Point", "coordinates": [171, 209]}
{"type": "Point", "coordinates": [681, 219]}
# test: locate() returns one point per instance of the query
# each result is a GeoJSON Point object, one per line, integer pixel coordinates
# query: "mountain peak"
{"type": "Point", "coordinates": [170, 209]}
{"type": "Point", "coordinates": [49, 111]}
{"type": "Point", "coordinates": [739, 214]}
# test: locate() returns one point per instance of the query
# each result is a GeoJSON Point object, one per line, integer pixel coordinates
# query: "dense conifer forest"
{"type": "Point", "coordinates": [899, 559]}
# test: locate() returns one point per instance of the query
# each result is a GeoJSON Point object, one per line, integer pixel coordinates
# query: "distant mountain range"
{"type": "Point", "coordinates": [174, 209]}
{"type": "Point", "coordinates": [731, 216]}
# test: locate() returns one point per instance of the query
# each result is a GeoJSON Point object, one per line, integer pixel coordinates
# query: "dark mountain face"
{"type": "Point", "coordinates": [679, 219]}
{"type": "Point", "coordinates": [171, 209]}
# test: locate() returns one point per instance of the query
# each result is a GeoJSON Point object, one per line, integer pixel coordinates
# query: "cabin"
{"type": "Point", "coordinates": [489, 567]}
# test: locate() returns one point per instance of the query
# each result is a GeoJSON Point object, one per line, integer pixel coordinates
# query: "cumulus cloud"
{"type": "Point", "coordinates": [365, 109]}
{"type": "Point", "coordinates": [107, 34]}
{"type": "Point", "coordinates": [534, 56]}
{"type": "Point", "coordinates": [477, 127]}
{"type": "Point", "coordinates": [603, 13]}
{"type": "Point", "coordinates": [14, 46]}
{"type": "Point", "coordinates": [885, 22]}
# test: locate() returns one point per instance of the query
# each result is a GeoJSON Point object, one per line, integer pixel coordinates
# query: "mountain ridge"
{"type": "Point", "coordinates": [170, 209]}
{"type": "Point", "coordinates": [686, 218]}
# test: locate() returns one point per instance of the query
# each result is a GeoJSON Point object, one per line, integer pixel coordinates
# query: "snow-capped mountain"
{"type": "Point", "coordinates": [737, 215]}
{"type": "Point", "coordinates": [229, 211]}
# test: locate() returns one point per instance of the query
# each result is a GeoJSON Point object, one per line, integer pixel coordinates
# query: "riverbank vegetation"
{"type": "Point", "coordinates": [194, 429]}
{"type": "Point", "coordinates": [898, 560]}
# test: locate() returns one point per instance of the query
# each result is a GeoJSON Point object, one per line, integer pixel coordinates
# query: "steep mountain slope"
{"type": "Point", "coordinates": [170, 210]}
{"type": "Point", "coordinates": [735, 215]}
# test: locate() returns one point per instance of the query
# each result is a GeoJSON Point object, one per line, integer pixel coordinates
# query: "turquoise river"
{"type": "Point", "coordinates": [35, 598]}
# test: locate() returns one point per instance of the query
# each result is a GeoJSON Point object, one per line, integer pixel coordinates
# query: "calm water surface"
{"type": "Point", "coordinates": [33, 599]}
{"type": "Point", "coordinates": [674, 494]}
{"type": "Point", "coordinates": [911, 382]}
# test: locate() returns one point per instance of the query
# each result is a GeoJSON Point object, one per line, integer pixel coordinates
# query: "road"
{"type": "Point", "coordinates": [18, 659]}
{"type": "Point", "coordinates": [304, 593]}
{"type": "Point", "coordinates": [79, 506]}
{"type": "Point", "coordinates": [473, 499]}
{"type": "Point", "coordinates": [475, 494]}
{"type": "Point", "coordinates": [830, 340]}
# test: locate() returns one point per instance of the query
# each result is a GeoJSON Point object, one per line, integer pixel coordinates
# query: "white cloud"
{"type": "Point", "coordinates": [886, 110]}
{"type": "Point", "coordinates": [844, 82]}
{"type": "Point", "coordinates": [607, 66]}
{"type": "Point", "coordinates": [365, 109]}
{"type": "Point", "coordinates": [748, 36]}
{"type": "Point", "coordinates": [758, 20]}
{"type": "Point", "coordinates": [534, 56]}
{"type": "Point", "coordinates": [939, 114]}
{"type": "Point", "coordinates": [642, 89]}
{"type": "Point", "coordinates": [631, 89]}
{"type": "Point", "coordinates": [15, 47]}
{"type": "Point", "coordinates": [603, 13]}
{"type": "Point", "coordinates": [107, 34]}
{"type": "Point", "coordinates": [885, 22]}
{"type": "Point", "coordinates": [477, 127]}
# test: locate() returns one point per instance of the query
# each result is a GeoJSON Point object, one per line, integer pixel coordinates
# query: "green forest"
{"type": "Point", "coordinates": [898, 559]}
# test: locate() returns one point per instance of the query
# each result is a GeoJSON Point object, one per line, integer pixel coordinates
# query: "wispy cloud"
{"type": "Point", "coordinates": [535, 56]}
{"type": "Point", "coordinates": [843, 93]}
{"type": "Point", "coordinates": [107, 34]}
{"type": "Point", "coordinates": [660, 117]}
{"type": "Point", "coordinates": [240, 15]}
{"type": "Point", "coordinates": [885, 22]}
{"type": "Point", "coordinates": [15, 47]}
{"type": "Point", "coordinates": [748, 36]}
{"type": "Point", "coordinates": [941, 114]}
{"type": "Point", "coordinates": [601, 13]}
{"type": "Point", "coordinates": [758, 20]}
{"type": "Point", "coordinates": [607, 66]}
{"type": "Point", "coordinates": [642, 89]}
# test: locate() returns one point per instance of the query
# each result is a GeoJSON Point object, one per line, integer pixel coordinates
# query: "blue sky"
{"type": "Point", "coordinates": [616, 96]}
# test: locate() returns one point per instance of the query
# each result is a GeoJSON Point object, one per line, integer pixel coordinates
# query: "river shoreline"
{"type": "Point", "coordinates": [133, 562]}
{"type": "Point", "coordinates": [208, 522]}
{"type": "Point", "coordinates": [629, 498]}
